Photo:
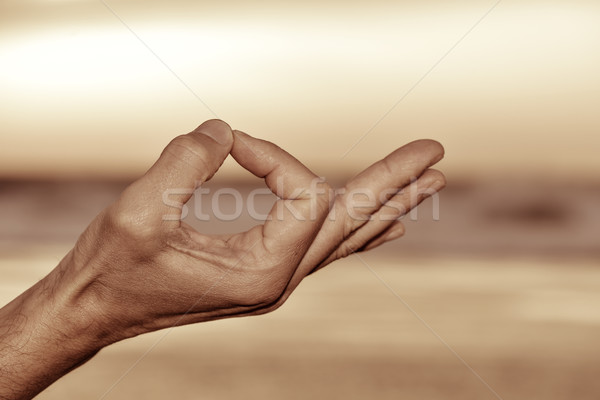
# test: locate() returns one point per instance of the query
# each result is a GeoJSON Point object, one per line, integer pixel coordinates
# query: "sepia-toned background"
{"type": "Point", "coordinates": [498, 298]}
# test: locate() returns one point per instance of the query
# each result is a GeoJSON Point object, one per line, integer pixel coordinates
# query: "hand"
{"type": "Point", "coordinates": [149, 273]}
{"type": "Point", "coordinates": [137, 269]}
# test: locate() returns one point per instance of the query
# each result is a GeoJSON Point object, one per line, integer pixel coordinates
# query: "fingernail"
{"type": "Point", "coordinates": [240, 133]}
{"type": "Point", "coordinates": [430, 189]}
{"type": "Point", "coordinates": [216, 129]}
{"type": "Point", "coordinates": [395, 234]}
{"type": "Point", "coordinates": [437, 185]}
{"type": "Point", "coordinates": [242, 137]}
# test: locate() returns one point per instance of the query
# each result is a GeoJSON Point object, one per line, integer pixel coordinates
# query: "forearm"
{"type": "Point", "coordinates": [43, 335]}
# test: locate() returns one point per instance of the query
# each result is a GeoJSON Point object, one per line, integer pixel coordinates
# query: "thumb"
{"type": "Point", "coordinates": [188, 161]}
{"type": "Point", "coordinates": [192, 159]}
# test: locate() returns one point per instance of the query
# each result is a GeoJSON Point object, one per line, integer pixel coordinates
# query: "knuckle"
{"type": "Point", "coordinates": [182, 141]}
{"type": "Point", "coordinates": [386, 166]}
{"type": "Point", "coordinates": [350, 225]}
{"type": "Point", "coordinates": [187, 150]}
{"type": "Point", "coordinates": [354, 217]}
{"type": "Point", "coordinates": [128, 223]}
{"type": "Point", "coordinates": [344, 250]}
{"type": "Point", "coordinates": [392, 210]}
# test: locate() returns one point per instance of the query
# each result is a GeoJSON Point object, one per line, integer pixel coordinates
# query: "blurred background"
{"type": "Point", "coordinates": [498, 298]}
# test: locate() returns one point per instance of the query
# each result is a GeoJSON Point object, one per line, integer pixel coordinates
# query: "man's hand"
{"type": "Point", "coordinates": [138, 268]}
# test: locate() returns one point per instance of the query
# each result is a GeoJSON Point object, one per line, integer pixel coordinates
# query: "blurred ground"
{"type": "Point", "coordinates": [508, 278]}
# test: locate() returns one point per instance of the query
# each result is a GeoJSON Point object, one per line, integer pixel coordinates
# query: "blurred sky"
{"type": "Point", "coordinates": [81, 96]}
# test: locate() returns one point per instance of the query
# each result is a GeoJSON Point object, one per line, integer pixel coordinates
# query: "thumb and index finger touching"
{"type": "Point", "coordinates": [156, 199]}
{"type": "Point", "coordinates": [192, 159]}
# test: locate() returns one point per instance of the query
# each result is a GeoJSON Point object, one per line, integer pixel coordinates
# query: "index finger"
{"type": "Point", "coordinates": [295, 219]}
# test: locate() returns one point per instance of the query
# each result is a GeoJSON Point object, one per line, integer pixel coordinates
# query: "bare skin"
{"type": "Point", "coordinates": [134, 271]}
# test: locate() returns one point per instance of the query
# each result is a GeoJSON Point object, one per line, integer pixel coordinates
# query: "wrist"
{"type": "Point", "coordinates": [47, 331]}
